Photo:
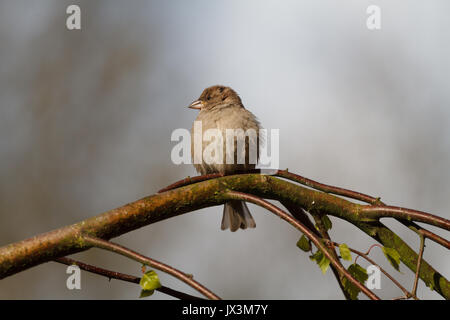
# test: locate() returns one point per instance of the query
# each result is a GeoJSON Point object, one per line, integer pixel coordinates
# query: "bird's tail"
{"type": "Point", "coordinates": [236, 215]}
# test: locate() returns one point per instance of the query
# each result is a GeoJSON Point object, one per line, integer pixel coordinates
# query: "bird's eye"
{"type": "Point", "coordinates": [208, 98]}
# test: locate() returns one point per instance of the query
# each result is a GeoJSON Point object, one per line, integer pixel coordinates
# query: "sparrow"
{"type": "Point", "coordinates": [221, 108]}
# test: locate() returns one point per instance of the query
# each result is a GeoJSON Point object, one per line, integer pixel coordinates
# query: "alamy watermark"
{"type": "Point", "coordinates": [73, 21]}
{"type": "Point", "coordinates": [373, 21]}
{"type": "Point", "coordinates": [374, 277]}
{"type": "Point", "coordinates": [227, 146]}
{"type": "Point", "coordinates": [74, 280]}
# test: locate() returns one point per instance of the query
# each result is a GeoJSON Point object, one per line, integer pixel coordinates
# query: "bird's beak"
{"type": "Point", "coordinates": [197, 104]}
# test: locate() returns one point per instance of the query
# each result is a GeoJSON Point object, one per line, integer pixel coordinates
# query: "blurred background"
{"type": "Point", "coordinates": [86, 118]}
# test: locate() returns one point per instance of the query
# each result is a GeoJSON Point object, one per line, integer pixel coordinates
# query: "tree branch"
{"type": "Point", "coordinates": [325, 236]}
{"type": "Point", "coordinates": [113, 247]}
{"type": "Point", "coordinates": [328, 188]}
{"type": "Point", "coordinates": [22, 255]}
{"type": "Point", "coordinates": [233, 195]}
{"type": "Point", "coordinates": [366, 257]}
{"type": "Point", "coordinates": [408, 256]}
{"type": "Point", "coordinates": [123, 277]}
{"type": "Point", "coordinates": [419, 262]}
{"type": "Point", "coordinates": [427, 234]}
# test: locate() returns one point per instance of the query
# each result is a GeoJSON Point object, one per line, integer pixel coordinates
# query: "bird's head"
{"type": "Point", "coordinates": [216, 96]}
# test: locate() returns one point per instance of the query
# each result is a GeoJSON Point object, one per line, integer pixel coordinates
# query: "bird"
{"type": "Point", "coordinates": [221, 108]}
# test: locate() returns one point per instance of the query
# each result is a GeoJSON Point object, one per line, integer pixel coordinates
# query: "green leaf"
{"type": "Point", "coordinates": [304, 244]}
{"type": "Point", "coordinates": [345, 252]}
{"type": "Point", "coordinates": [150, 281]}
{"type": "Point", "coordinates": [360, 274]}
{"type": "Point", "coordinates": [321, 260]}
{"type": "Point", "coordinates": [324, 264]}
{"type": "Point", "coordinates": [326, 222]}
{"type": "Point", "coordinates": [146, 293]}
{"type": "Point", "coordinates": [393, 257]}
{"type": "Point", "coordinates": [351, 289]}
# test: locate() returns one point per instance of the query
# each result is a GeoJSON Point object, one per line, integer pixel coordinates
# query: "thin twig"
{"type": "Point", "coordinates": [378, 208]}
{"type": "Point", "coordinates": [365, 256]}
{"type": "Point", "coordinates": [234, 195]}
{"type": "Point", "coordinates": [328, 188]}
{"type": "Point", "coordinates": [404, 213]}
{"type": "Point", "coordinates": [419, 262]}
{"type": "Point", "coordinates": [404, 297]}
{"type": "Point", "coordinates": [358, 196]}
{"type": "Point", "coordinates": [289, 176]}
{"type": "Point", "coordinates": [301, 215]}
{"type": "Point", "coordinates": [188, 279]}
{"type": "Point", "coordinates": [298, 214]}
{"type": "Point", "coordinates": [368, 251]}
{"type": "Point", "coordinates": [124, 277]}
{"type": "Point", "coordinates": [191, 180]}
{"type": "Point", "coordinates": [426, 233]}
{"type": "Point", "coordinates": [339, 276]}
{"type": "Point", "coordinates": [303, 218]}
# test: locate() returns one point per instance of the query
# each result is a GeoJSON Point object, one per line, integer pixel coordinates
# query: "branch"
{"type": "Point", "coordinates": [327, 188]}
{"type": "Point", "coordinates": [372, 212]}
{"type": "Point", "coordinates": [404, 213]}
{"type": "Point", "coordinates": [427, 234]}
{"type": "Point", "coordinates": [326, 237]}
{"type": "Point", "coordinates": [233, 195]}
{"type": "Point", "coordinates": [124, 277]}
{"type": "Point", "coordinates": [419, 262]}
{"type": "Point", "coordinates": [189, 180]}
{"type": "Point", "coordinates": [408, 256]}
{"type": "Point", "coordinates": [365, 256]}
{"type": "Point", "coordinates": [322, 187]}
{"type": "Point", "coordinates": [67, 240]}
{"type": "Point", "coordinates": [113, 247]}
{"type": "Point", "coordinates": [361, 197]}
